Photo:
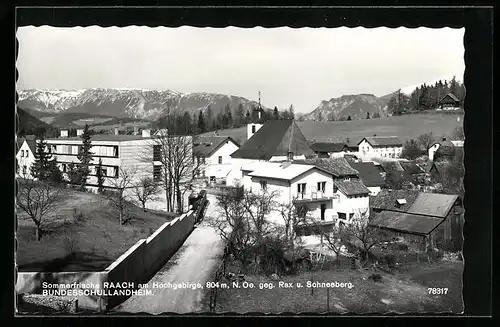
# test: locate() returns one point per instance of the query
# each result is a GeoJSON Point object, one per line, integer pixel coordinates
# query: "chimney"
{"type": "Point", "coordinates": [289, 156]}
{"type": "Point", "coordinates": [64, 133]}
{"type": "Point", "coordinates": [116, 130]}
{"type": "Point", "coordinates": [79, 132]}
{"type": "Point", "coordinates": [444, 138]}
{"type": "Point", "coordinates": [146, 133]}
{"type": "Point", "coordinates": [136, 130]}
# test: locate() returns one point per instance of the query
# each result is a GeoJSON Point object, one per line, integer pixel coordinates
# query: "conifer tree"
{"type": "Point", "coordinates": [85, 155]}
{"type": "Point", "coordinates": [100, 177]}
{"type": "Point", "coordinates": [276, 113]}
{"type": "Point", "coordinates": [41, 169]}
{"type": "Point", "coordinates": [201, 123]}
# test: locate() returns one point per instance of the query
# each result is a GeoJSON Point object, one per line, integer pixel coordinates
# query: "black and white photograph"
{"type": "Point", "coordinates": [214, 170]}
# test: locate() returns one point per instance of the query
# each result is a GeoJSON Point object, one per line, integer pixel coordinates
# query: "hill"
{"type": "Point", "coordinates": [405, 127]}
{"type": "Point", "coordinates": [126, 103]}
{"type": "Point", "coordinates": [356, 106]}
{"type": "Point", "coordinates": [29, 124]}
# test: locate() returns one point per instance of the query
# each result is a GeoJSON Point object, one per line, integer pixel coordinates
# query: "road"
{"type": "Point", "coordinates": [194, 263]}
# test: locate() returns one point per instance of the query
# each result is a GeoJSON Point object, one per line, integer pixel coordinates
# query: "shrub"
{"type": "Point", "coordinates": [377, 278]}
{"type": "Point", "coordinates": [69, 243]}
{"type": "Point", "coordinates": [390, 260]}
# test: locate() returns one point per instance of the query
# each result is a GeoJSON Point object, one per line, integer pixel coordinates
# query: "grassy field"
{"type": "Point", "coordinates": [406, 127]}
{"type": "Point", "coordinates": [405, 291]}
{"type": "Point", "coordinates": [87, 241]}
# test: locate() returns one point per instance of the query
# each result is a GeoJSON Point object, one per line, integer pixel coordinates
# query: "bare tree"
{"type": "Point", "coordinates": [37, 200]}
{"type": "Point", "coordinates": [241, 222]}
{"type": "Point", "coordinates": [366, 237]}
{"type": "Point", "coordinates": [118, 197]}
{"type": "Point", "coordinates": [145, 190]}
{"type": "Point", "coordinates": [178, 167]}
{"type": "Point", "coordinates": [426, 140]}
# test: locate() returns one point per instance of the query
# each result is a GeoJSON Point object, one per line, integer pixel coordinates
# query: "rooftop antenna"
{"type": "Point", "coordinates": [259, 101]}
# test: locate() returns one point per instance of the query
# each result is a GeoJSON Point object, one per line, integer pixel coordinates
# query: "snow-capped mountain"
{"type": "Point", "coordinates": [130, 103]}
{"type": "Point", "coordinates": [357, 106]}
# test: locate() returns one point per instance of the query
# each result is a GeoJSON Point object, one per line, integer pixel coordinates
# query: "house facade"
{"type": "Point", "coordinates": [381, 146]}
{"type": "Point", "coordinates": [212, 155]}
{"type": "Point", "coordinates": [443, 148]}
{"type": "Point", "coordinates": [449, 102]}
{"type": "Point", "coordinates": [316, 192]}
{"type": "Point", "coordinates": [25, 158]}
{"type": "Point", "coordinates": [138, 156]}
{"type": "Point", "coordinates": [330, 149]}
{"type": "Point", "coordinates": [252, 129]}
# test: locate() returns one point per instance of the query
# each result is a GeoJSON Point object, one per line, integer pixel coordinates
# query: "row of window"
{"type": "Point", "coordinates": [106, 171]}
{"type": "Point", "coordinates": [24, 153]}
{"type": "Point", "coordinates": [201, 160]}
{"type": "Point", "coordinates": [97, 150]}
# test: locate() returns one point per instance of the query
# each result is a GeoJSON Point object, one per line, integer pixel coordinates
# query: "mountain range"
{"type": "Point", "coordinates": [125, 103]}
{"type": "Point", "coordinates": [139, 104]}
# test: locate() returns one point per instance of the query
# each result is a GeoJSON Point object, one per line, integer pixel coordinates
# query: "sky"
{"type": "Point", "coordinates": [288, 66]}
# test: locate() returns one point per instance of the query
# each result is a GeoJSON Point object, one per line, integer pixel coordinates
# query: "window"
{"type": "Point", "coordinates": [290, 155]}
{"type": "Point", "coordinates": [24, 170]}
{"type": "Point", "coordinates": [347, 179]}
{"type": "Point", "coordinates": [156, 173]}
{"type": "Point", "coordinates": [301, 188]}
{"type": "Point", "coordinates": [64, 167]}
{"type": "Point", "coordinates": [253, 129]}
{"type": "Point", "coordinates": [351, 215]}
{"type": "Point", "coordinates": [321, 187]}
{"type": "Point", "coordinates": [156, 152]}
{"type": "Point", "coordinates": [342, 215]}
{"type": "Point", "coordinates": [22, 153]}
{"type": "Point", "coordinates": [220, 160]}
{"type": "Point", "coordinates": [263, 185]}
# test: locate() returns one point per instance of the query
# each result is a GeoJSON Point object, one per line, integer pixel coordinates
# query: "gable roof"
{"type": "Point", "coordinates": [404, 222]}
{"type": "Point", "coordinates": [368, 173]}
{"type": "Point", "coordinates": [352, 187]}
{"type": "Point", "coordinates": [275, 138]}
{"type": "Point", "coordinates": [30, 141]}
{"type": "Point", "coordinates": [418, 203]}
{"type": "Point", "coordinates": [410, 167]}
{"type": "Point", "coordinates": [275, 170]}
{"type": "Point", "coordinates": [205, 146]}
{"type": "Point", "coordinates": [451, 96]}
{"type": "Point", "coordinates": [382, 140]}
{"type": "Point", "coordinates": [386, 199]}
{"type": "Point", "coordinates": [444, 143]}
{"type": "Point", "coordinates": [433, 204]}
{"type": "Point", "coordinates": [336, 166]}
{"type": "Point", "coordinates": [328, 147]}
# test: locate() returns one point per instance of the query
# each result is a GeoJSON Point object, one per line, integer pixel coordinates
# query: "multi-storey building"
{"type": "Point", "coordinates": [137, 156]}
{"type": "Point", "coordinates": [381, 146]}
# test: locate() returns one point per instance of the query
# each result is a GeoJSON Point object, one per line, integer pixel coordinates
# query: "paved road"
{"type": "Point", "coordinates": [195, 262]}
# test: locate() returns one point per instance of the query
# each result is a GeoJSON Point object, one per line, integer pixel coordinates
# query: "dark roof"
{"type": "Point", "coordinates": [205, 146]}
{"type": "Point", "coordinates": [433, 204]}
{"type": "Point", "coordinates": [450, 95]}
{"type": "Point", "coordinates": [352, 187]}
{"type": "Point", "coordinates": [275, 138]}
{"type": "Point", "coordinates": [404, 222]}
{"type": "Point", "coordinates": [444, 143]}
{"type": "Point", "coordinates": [392, 166]}
{"type": "Point", "coordinates": [411, 168]}
{"type": "Point", "coordinates": [386, 199]}
{"type": "Point", "coordinates": [368, 173]}
{"type": "Point", "coordinates": [419, 203]}
{"type": "Point", "coordinates": [382, 140]}
{"type": "Point", "coordinates": [336, 166]}
{"type": "Point", "coordinates": [328, 147]}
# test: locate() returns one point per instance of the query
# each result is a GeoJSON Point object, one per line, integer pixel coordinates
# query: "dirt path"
{"type": "Point", "coordinates": [193, 263]}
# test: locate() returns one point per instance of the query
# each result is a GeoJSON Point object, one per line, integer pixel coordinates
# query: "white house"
{"type": "Point", "coordinates": [381, 146]}
{"type": "Point", "coordinates": [138, 155]}
{"type": "Point", "coordinates": [25, 157]}
{"type": "Point", "coordinates": [276, 140]}
{"type": "Point", "coordinates": [213, 156]}
{"type": "Point", "coordinates": [317, 191]}
{"type": "Point", "coordinates": [445, 145]}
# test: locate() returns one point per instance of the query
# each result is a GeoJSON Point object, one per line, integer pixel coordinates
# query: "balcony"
{"type": "Point", "coordinates": [308, 197]}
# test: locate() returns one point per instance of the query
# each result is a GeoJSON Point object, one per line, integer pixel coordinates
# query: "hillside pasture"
{"type": "Point", "coordinates": [405, 127]}
{"type": "Point", "coordinates": [83, 234]}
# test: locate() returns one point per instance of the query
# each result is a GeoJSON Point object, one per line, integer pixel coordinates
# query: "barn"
{"type": "Point", "coordinates": [419, 219]}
